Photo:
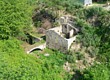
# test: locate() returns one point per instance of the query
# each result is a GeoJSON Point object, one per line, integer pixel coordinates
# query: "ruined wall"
{"type": "Point", "coordinates": [55, 41]}
{"type": "Point", "coordinates": [70, 41]}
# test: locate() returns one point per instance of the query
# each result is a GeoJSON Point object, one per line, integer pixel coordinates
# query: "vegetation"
{"type": "Point", "coordinates": [19, 66]}
{"type": "Point", "coordinates": [94, 33]}
{"type": "Point", "coordinates": [16, 21]}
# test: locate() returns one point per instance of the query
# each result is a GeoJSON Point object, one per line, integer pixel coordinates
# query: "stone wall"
{"type": "Point", "coordinates": [54, 40]}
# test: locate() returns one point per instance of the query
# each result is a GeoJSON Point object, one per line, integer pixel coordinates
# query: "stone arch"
{"type": "Point", "coordinates": [38, 49]}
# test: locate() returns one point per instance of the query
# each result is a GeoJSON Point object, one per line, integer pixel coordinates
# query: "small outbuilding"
{"type": "Point", "coordinates": [86, 2]}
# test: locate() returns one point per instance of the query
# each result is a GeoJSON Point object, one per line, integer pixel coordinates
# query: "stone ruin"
{"type": "Point", "coordinates": [61, 38]}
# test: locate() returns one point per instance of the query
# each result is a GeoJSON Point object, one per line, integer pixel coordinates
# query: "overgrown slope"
{"type": "Point", "coordinates": [16, 22]}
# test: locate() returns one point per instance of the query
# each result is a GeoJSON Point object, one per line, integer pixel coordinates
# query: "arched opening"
{"type": "Point", "coordinates": [37, 49]}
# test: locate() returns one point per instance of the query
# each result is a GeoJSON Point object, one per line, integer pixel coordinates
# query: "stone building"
{"type": "Point", "coordinates": [86, 2]}
{"type": "Point", "coordinates": [61, 38]}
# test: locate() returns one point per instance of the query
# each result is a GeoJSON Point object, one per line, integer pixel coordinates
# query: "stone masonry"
{"type": "Point", "coordinates": [55, 40]}
{"type": "Point", "coordinates": [61, 38]}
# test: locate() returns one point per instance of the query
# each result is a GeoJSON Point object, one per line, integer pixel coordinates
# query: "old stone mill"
{"type": "Point", "coordinates": [61, 38]}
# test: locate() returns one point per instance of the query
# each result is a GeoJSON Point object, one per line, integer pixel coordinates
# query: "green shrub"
{"type": "Point", "coordinates": [71, 57]}
{"type": "Point", "coordinates": [79, 55]}
{"type": "Point", "coordinates": [97, 72]}
{"type": "Point", "coordinates": [15, 18]}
